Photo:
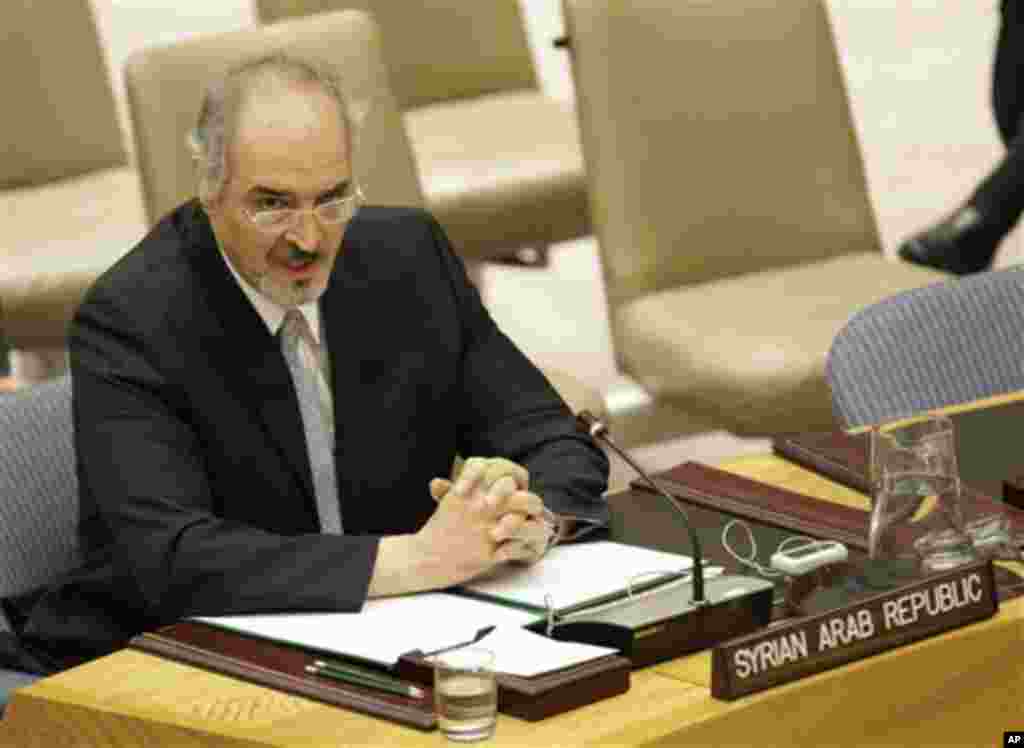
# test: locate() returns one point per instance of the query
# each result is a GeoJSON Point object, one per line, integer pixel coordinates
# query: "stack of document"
{"type": "Point", "coordinates": [385, 629]}
{"type": "Point", "coordinates": [571, 577]}
{"type": "Point", "coordinates": [526, 654]}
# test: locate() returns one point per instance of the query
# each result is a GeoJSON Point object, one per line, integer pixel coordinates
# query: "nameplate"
{"type": "Point", "coordinates": [804, 646]}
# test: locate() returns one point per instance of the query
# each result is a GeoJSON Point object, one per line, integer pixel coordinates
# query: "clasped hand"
{"type": "Point", "coordinates": [487, 517]}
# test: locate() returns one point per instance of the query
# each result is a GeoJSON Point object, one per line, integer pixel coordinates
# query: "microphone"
{"type": "Point", "coordinates": [589, 423]}
{"type": "Point", "coordinates": [664, 624]}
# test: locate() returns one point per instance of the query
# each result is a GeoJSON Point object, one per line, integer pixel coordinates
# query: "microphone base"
{"type": "Point", "coordinates": [664, 624]}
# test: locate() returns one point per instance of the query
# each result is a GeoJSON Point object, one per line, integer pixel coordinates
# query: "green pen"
{"type": "Point", "coordinates": [366, 678]}
{"type": "Point", "coordinates": [365, 672]}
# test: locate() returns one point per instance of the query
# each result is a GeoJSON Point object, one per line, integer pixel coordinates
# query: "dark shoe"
{"type": "Point", "coordinates": [961, 244]}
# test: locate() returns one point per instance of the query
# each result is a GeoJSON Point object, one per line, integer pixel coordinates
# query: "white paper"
{"type": "Point", "coordinates": [521, 652]}
{"type": "Point", "coordinates": [385, 629]}
{"type": "Point", "coordinates": [576, 573]}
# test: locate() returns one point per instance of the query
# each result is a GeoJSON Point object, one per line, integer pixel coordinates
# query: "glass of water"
{"type": "Point", "coordinates": [918, 510]}
{"type": "Point", "coordinates": [465, 693]}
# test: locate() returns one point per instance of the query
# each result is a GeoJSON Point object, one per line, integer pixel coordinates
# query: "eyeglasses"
{"type": "Point", "coordinates": [331, 213]}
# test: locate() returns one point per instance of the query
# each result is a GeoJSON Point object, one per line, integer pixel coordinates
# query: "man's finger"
{"type": "Point", "coordinates": [499, 467]}
{"type": "Point", "coordinates": [522, 502]}
{"type": "Point", "coordinates": [512, 550]}
{"type": "Point", "coordinates": [534, 532]}
{"type": "Point", "coordinates": [508, 527]}
{"type": "Point", "coordinates": [470, 476]}
{"type": "Point", "coordinates": [517, 550]}
{"type": "Point", "coordinates": [439, 488]}
{"type": "Point", "coordinates": [499, 491]}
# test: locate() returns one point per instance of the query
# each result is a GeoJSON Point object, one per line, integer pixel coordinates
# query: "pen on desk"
{"type": "Point", "coordinates": [365, 678]}
{"type": "Point", "coordinates": [350, 667]}
{"type": "Point", "coordinates": [363, 672]}
{"type": "Point", "coordinates": [347, 668]}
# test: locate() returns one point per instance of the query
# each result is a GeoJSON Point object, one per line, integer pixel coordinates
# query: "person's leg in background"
{"type": "Point", "coordinates": [6, 381]}
{"type": "Point", "coordinates": [966, 240]}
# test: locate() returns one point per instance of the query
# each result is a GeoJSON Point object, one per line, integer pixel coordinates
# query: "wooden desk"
{"type": "Point", "coordinates": [962, 688]}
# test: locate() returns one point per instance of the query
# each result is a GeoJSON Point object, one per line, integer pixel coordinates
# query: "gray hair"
{"type": "Point", "coordinates": [217, 124]}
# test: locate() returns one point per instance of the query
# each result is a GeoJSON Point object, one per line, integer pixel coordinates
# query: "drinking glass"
{"type": "Point", "coordinates": [918, 508]}
{"type": "Point", "coordinates": [465, 693]}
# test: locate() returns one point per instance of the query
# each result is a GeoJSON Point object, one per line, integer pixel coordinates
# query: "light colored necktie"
{"type": "Point", "coordinates": [314, 420]}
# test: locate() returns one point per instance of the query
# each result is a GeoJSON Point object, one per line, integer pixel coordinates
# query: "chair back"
{"type": "Point", "coordinates": [717, 139]}
{"type": "Point", "coordinates": [61, 118]}
{"type": "Point", "coordinates": [441, 49]}
{"type": "Point", "coordinates": [943, 344]}
{"type": "Point", "coordinates": [166, 84]}
{"type": "Point", "coordinates": [38, 488]}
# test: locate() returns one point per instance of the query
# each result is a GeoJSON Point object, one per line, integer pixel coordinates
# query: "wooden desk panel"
{"type": "Point", "coordinates": [976, 673]}
{"type": "Point", "coordinates": [779, 472]}
{"type": "Point", "coordinates": [961, 688]}
{"type": "Point", "coordinates": [149, 701]}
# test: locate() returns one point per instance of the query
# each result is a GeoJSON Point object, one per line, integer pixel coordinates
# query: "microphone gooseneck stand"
{"type": "Point", "coordinates": [663, 625]}
{"type": "Point", "coordinates": [598, 430]}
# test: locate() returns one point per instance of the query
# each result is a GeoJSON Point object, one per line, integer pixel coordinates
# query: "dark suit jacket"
{"type": "Point", "coordinates": [196, 492]}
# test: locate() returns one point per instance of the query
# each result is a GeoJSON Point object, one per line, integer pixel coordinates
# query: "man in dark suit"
{"type": "Point", "coordinates": [220, 474]}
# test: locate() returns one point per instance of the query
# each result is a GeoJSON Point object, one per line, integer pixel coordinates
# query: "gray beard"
{"type": "Point", "coordinates": [288, 293]}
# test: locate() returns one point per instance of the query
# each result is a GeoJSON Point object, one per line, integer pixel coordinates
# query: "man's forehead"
{"type": "Point", "coordinates": [277, 106]}
{"type": "Point", "coordinates": [293, 109]}
{"type": "Point", "coordinates": [289, 171]}
{"type": "Point", "coordinates": [293, 139]}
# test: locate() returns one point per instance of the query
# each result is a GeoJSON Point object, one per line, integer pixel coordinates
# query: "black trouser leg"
{"type": "Point", "coordinates": [967, 240]}
{"type": "Point", "coordinates": [1008, 71]}
{"type": "Point", "coordinates": [1000, 196]}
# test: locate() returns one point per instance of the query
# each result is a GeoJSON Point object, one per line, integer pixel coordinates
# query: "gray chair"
{"type": "Point", "coordinates": [38, 496]}
{"type": "Point", "coordinates": [939, 345]}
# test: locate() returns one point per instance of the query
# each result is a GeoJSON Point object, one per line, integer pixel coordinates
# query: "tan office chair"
{"type": "Point", "coordinates": [729, 202]}
{"type": "Point", "coordinates": [499, 161]}
{"type": "Point", "coordinates": [69, 203]}
{"type": "Point", "coordinates": [165, 86]}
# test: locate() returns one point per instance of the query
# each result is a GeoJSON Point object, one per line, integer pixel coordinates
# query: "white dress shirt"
{"type": "Point", "coordinates": [273, 314]}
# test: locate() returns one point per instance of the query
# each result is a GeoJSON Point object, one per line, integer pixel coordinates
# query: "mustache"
{"type": "Point", "coordinates": [297, 253]}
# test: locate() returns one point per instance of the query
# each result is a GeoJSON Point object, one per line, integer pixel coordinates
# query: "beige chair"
{"type": "Point", "coordinates": [729, 201]}
{"type": "Point", "coordinates": [165, 85]}
{"type": "Point", "coordinates": [499, 161]}
{"type": "Point", "coordinates": [69, 202]}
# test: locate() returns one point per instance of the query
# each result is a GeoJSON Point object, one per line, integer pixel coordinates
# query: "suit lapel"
{"type": "Point", "coordinates": [342, 323]}
{"type": "Point", "coordinates": [354, 340]}
{"type": "Point", "coordinates": [240, 345]}
{"type": "Point", "coordinates": [274, 391]}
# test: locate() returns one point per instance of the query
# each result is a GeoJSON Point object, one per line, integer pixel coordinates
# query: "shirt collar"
{"type": "Point", "coordinates": [270, 311]}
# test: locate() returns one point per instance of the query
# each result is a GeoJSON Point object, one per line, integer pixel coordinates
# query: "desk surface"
{"type": "Point", "coordinates": [962, 688]}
